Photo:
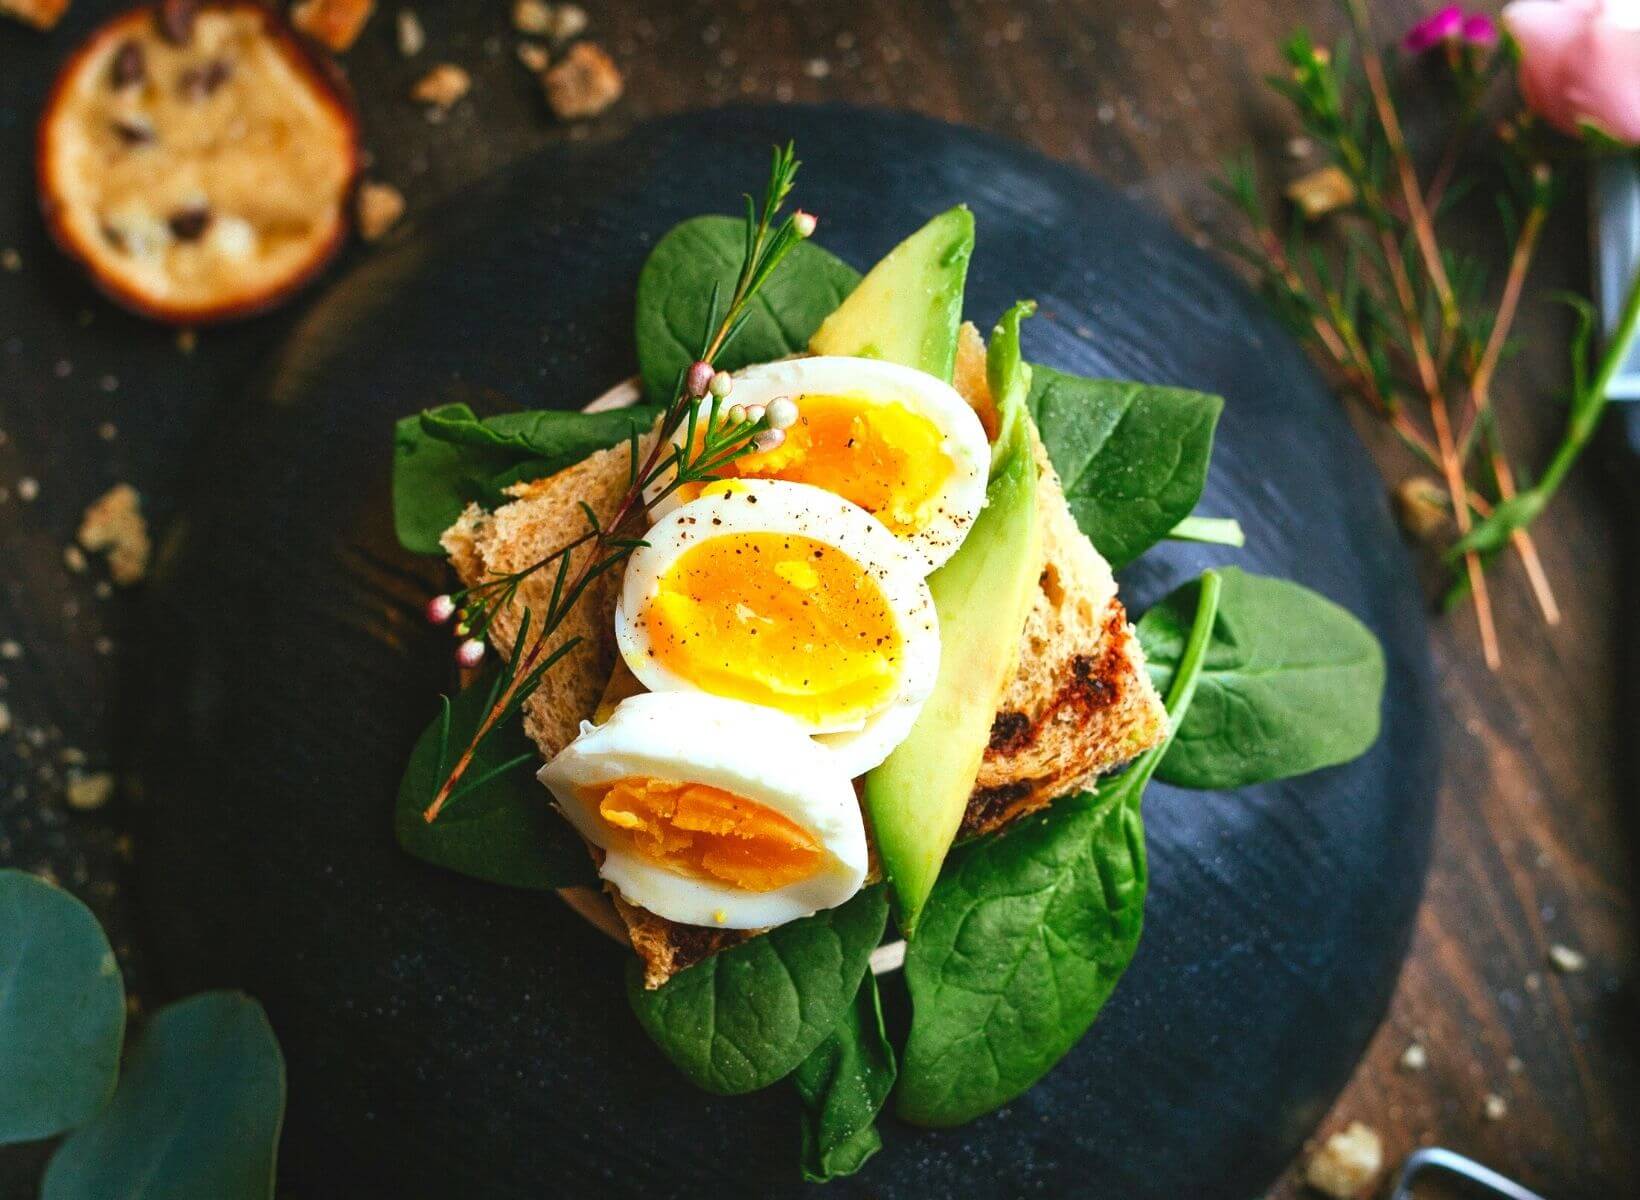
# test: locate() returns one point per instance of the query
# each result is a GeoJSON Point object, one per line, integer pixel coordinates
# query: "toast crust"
{"type": "Point", "coordinates": [1080, 703]}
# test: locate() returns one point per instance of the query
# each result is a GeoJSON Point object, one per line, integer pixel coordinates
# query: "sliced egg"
{"type": "Point", "coordinates": [899, 443]}
{"type": "Point", "coordinates": [788, 597]}
{"type": "Point", "coordinates": [712, 812]}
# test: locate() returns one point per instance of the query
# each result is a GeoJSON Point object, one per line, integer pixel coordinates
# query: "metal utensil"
{"type": "Point", "coordinates": [1434, 1158]}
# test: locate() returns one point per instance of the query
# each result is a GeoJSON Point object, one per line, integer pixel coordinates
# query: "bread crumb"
{"type": "Point", "coordinates": [74, 559]}
{"type": "Point", "coordinates": [532, 16]}
{"type": "Point", "coordinates": [380, 205]}
{"type": "Point", "coordinates": [335, 23]}
{"type": "Point", "coordinates": [1347, 1163]}
{"type": "Point", "coordinates": [1414, 1058]}
{"type": "Point", "coordinates": [1321, 192]}
{"type": "Point", "coordinates": [10, 260]}
{"type": "Point", "coordinates": [568, 20]}
{"type": "Point", "coordinates": [1423, 507]}
{"type": "Point", "coordinates": [28, 489]}
{"type": "Point", "coordinates": [10, 650]}
{"type": "Point", "coordinates": [42, 14]}
{"type": "Point", "coordinates": [114, 523]}
{"type": "Point", "coordinates": [442, 86]}
{"type": "Point", "coordinates": [87, 793]}
{"type": "Point", "coordinates": [583, 84]}
{"type": "Point", "coordinates": [1495, 1108]}
{"type": "Point", "coordinates": [534, 56]}
{"type": "Point", "coordinates": [1561, 957]}
{"type": "Point", "coordinates": [412, 37]}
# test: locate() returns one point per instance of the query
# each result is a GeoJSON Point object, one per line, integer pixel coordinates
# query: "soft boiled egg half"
{"type": "Point", "coordinates": [712, 812]}
{"type": "Point", "coordinates": [791, 598]}
{"type": "Point", "coordinates": [899, 443]}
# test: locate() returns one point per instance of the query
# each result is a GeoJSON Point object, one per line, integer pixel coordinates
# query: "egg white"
{"type": "Point", "coordinates": [752, 752]}
{"type": "Point", "coordinates": [775, 506]}
{"type": "Point", "coordinates": [963, 439]}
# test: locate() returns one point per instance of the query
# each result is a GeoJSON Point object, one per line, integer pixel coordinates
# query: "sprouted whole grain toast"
{"type": "Point", "coordinates": [1080, 705]}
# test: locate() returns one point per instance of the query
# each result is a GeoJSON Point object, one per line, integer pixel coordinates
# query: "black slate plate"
{"type": "Point", "coordinates": [447, 1037]}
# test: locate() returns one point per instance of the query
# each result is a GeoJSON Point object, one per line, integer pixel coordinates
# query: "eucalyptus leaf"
{"type": "Point", "coordinates": [1027, 934]}
{"type": "Point", "coordinates": [1292, 683]}
{"type": "Point", "coordinates": [447, 457]}
{"type": "Point", "coordinates": [748, 1016]}
{"type": "Point", "coordinates": [1132, 456]}
{"type": "Point", "coordinates": [62, 1011]}
{"type": "Point", "coordinates": [196, 1116]}
{"type": "Point", "coordinates": [843, 1085]}
{"type": "Point", "coordinates": [503, 831]}
{"type": "Point", "coordinates": [675, 291]}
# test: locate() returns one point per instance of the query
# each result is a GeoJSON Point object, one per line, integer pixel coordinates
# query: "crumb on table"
{"type": "Point", "coordinates": [380, 205]}
{"type": "Point", "coordinates": [334, 23]}
{"type": "Point", "coordinates": [114, 523]}
{"type": "Point", "coordinates": [1347, 1162]}
{"type": "Point", "coordinates": [584, 83]}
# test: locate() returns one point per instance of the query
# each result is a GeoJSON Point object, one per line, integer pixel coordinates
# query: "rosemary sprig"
{"type": "Point", "coordinates": [712, 440]}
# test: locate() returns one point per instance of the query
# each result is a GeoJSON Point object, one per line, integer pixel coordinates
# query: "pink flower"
{"type": "Point", "coordinates": [1434, 29]}
{"type": "Point", "coordinates": [1480, 29]}
{"type": "Point", "coordinates": [1580, 63]}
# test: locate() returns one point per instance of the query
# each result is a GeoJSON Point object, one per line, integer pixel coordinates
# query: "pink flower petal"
{"type": "Point", "coordinates": [1604, 90]}
{"type": "Point", "coordinates": [1434, 29]}
{"type": "Point", "coordinates": [1480, 30]}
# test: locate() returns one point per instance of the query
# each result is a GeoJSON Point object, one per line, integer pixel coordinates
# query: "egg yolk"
{"type": "Point", "coordinates": [707, 833]}
{"type": "Point", "coordinates": [780, 620]}
{"type": "Point", "coordinates": [883, 457]}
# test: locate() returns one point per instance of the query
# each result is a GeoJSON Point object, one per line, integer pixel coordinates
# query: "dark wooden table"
{"type": "Point", "coordinates": [1533, 847]}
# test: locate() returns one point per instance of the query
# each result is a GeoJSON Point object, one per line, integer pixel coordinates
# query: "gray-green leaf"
{"type": "Point", "coordinates": [446, 458]}
{"type": "Point", "coordinates": [505, 831]}
{"type": "Point", "coordinates": [843, 1085]}
{"type": "Point", "coordinates": [1292, 683]}
{"type": "Point", "coordinates": [196, 1117]}
{"type": "Point", "coordinates": [62, 1011]}
{"type": "Point", "coordinates": [747, 1017]}
{"type": "Point", "coordinates": [1132, 457]}
{"type": "Point", "coordinates": [675, 292]}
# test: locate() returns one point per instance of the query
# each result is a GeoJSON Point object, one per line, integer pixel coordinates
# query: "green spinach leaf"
{"type": "Point", "coordinates": [843, 1085]}
{"type": "Point", "coordinates": [747, 1017]}
{"type": "Point", "coordinates": [675, 291]}
{"type": "Point", "coordinates": [446, 458]}
{"type": "Point", "coordinates": [503, 831]}
{"type": "Point", "coordinates": [196, 1117]}
{"type": "Point", "coordinates": [1132, 457]}
{"type": "Point", "coordinates": [62, 1011]}
{"type": "Point", "coordinates": [1028, 933]}
{"type": "Point", "coordinates": [1292, 683]}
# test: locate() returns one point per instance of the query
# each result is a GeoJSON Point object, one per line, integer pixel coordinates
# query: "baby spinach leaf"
{"type": "Point", "coordinates": [446, 458]}
{"type": "Point", "coordinates": [843, 1085]}
{"type": "Point", "coordinates": [62, 1011]}
{"type": "Point", "coordinates": [503, 831]}
{"type": "Point", "coordinates": [746, 1017]}
{"type": "Point", "coordinates": [1028, 933]}
{"type": "Point", "coordinates": [1132, 456]}
{"type": "Point", "coordinates": [675, 292]}
{"type": "Point", "coordinates": [196, 1117]}
{"type": "Point", "coordinates": [1292, 683]}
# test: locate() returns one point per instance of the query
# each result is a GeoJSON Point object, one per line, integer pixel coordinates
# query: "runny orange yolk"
{"type": "Point", "coordinates": [707, 833]}
{"type": "Point", "coordinates": [780, 620]}
{"type": "Point", "coordinates": [883, 457]}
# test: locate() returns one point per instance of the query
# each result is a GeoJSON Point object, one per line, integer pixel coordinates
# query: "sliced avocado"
{"type": "Point", "coordinates": [916, 798]}
{"type": "Point", "coordinates": [908, 307]}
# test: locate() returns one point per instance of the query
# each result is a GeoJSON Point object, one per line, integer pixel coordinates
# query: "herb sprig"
{"type": "Point", "coordinates": [711, 441]}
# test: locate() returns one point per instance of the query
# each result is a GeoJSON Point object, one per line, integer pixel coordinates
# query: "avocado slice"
{"type": "Point", "coordinates": [907, 308]}
{"type": "Point", "coordinates": [916, 798]}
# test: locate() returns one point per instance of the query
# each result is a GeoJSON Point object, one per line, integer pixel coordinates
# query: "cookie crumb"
{"type": "Point", "coordinates": [1423, 506]}
{"type": "Point", "coordinates": [114, 522]}
{"type": "Point", "coordinates": [534, 56]}
{"type": "Point", "coordinates": [28, 489]}
{"type": "Point", "coordinates": [86, 793]}
{"type": "Point", "coordinates": [1347, 1163]}
{"type": "Point", "coordinates": [10, 260]}
{"type": "Point", "coordinates": [817, 68]}
{"type": "Point", "coordinates": [108, 431]}
{"type": "Point", "coordinates": [74, 559]}
{"type": "Point", "coordinates": [583, 84]}
{"type": "Point", "coordinates": [1495, 1107]}
{"type": "Point", "coordinates": [1414, 1057]}
{"type": "Point", "coordinates": [380, 205]}
{"type": "Point", "coordinates": [412, 37]}
{"type": "Point", "coordinates": [335, 23]}
{"type": "Point", "coordinates": [1321, 192]}
{"type": "Point", "coordinates": [532, 16]}
{"type": "Point", "coordinates": [442, 87]}
{"type": "Point", "coordinates": [187, 340]}
{"type": "Point", "coordinates": [568, 21]}
{"type": "Point", "coordinates": [1561, 957]}
{"type": "Point", "coordinates": [11, 650]}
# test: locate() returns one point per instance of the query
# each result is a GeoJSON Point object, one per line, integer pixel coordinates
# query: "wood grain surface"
{"type": "Point", "coordinates": [1535, 842]}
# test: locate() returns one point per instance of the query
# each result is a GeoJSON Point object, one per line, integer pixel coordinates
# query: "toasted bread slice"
{"type": "Point", "coordinates": [1080, 705]}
